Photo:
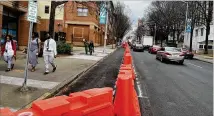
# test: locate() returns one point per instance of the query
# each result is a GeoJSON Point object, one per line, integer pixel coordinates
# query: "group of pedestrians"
{"type": "Point", "coordinates": [8, 51]}
{"type": "Point", "coordinates": [89, 46]}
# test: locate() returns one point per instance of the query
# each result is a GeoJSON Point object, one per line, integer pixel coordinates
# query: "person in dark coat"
{"type": "Point", "coordinates": [91, 47]}
{"type": "Point", "coordinates": [86, 46]}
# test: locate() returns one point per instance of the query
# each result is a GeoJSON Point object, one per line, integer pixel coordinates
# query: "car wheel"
{"type": "Point", "coordinates": [191, 57]}
{"type": "Point", "coordinates": [156, 57]}
{"type": "Point", "coordinates": [161, 59]}
{"type": "Point", "coordinates": [181, 62]}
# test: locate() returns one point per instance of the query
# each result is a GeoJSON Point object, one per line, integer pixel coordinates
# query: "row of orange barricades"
{"type": "Point", "coordinates": [126, 100]}
{"type": "Point", "coordinates": [92, 102]}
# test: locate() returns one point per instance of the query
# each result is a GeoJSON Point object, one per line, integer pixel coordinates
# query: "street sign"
{"type": "Point", "coordinates": [103, 14]}
{"type": "Point", "coordinates": [32, 11]}
{"type": "Point", "coordinates": [188, 28]}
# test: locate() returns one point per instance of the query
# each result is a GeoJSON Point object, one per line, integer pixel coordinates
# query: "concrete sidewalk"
{"type": "Point", "coordinates": [204, 58]}
{"type": "Point", "coordinates": [68, 68]}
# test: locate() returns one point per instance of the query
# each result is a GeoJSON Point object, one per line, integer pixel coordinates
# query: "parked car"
{"type": "Point", "coordinates": [188, 54]}
{"type": "Point", "coordinates": [138, 47]}
{"type": "Point", "coordinates": [154, 49]}
{"type": "Point", "coordinates": [133, 45]}
{"type": "Point", "coordinates": [166, 54]}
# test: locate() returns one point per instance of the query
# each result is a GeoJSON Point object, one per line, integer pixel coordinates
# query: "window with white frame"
{"type": "Point", "coordinates": [196, 32]}
{"type": "Point", "coordinates": [202, 31]}
{"type": "Point", "coordinates": [201, 46]}
{"type": "Point", "coordinates": [82, 11]}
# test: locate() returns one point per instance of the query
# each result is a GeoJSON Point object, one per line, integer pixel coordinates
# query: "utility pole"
{"type": "Point", "coordinates": [106, 28]}
{"type": "Point", "coordinates": [185, 32]}
{"type": "Point", "coordinates": [155, 34]}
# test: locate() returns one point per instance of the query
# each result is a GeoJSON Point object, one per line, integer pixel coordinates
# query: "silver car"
{"type": "Point", "coordinates": [170, 54]}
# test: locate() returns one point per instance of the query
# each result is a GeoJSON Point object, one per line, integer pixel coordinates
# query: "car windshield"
{"type": "Point", "coordinates": [139, 45]}
{"type": "Point", "coordinates": [172, 49]}
{"type": "Point", "coordinates": [184, 49]}
{"type": "Point", "coordinates": [179, 49]}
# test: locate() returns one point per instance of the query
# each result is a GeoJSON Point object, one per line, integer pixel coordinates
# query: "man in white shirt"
{"type": "Point", "coordinates": [49, 53]}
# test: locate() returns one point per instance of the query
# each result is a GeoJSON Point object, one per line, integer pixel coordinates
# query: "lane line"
{"type": "Point", "coordinates": [194, 65]}
{"type": "Point", "coordinates": [140, 91]}
{"type": "Point", "coordinates": [30, 82]}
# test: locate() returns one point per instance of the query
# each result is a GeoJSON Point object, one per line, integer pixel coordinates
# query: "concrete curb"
{"type": "Point", "coordinates": [65, 83]}
{"type": "Point", "coordinates": [203, 60]}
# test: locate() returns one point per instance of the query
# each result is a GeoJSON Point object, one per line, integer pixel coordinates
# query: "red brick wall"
{"type": "Point", "coordinates": [44, 25]}
{"type": "Point", "coordinates": [71, 13]}
{"type": "Point", "coordinates": [23, 30]}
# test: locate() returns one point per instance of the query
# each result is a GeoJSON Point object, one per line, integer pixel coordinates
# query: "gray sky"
{"type": "Point", "coordinates": [137, 8]}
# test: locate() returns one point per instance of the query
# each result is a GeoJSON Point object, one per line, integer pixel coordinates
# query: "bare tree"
{"type": "Point", "coordinates": [140, 31]}
{"type": "Point", "coordinates": [120, 22]}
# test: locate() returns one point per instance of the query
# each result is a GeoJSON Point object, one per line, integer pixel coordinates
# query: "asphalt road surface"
{"type": "Point", "coordinates": [104, 74]}
{"type": "Point", "coordinates": [176, 90]}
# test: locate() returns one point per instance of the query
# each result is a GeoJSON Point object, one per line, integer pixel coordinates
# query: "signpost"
{"type": "Point", "coordinates": [188, 28]}
{"type": "Point", "coordinates": [32, 18]}
{"type": "Point", "coordinates": [104, 20]}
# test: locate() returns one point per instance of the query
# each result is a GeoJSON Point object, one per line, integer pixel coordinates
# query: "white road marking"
{"type": "Point", "coordinates": [140, 91]}
{"type": "Point", "coordinates": [30, 82]}
{"type": "Point", "coordinates": [194, 65]}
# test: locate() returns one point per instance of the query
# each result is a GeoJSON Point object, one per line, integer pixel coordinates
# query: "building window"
{"type": "Point", "coordinates": [47, 9]}
{"type": "Point", "coordinates": [82, 12]}
{"type": "Point", "coordinates": [202, 31]}
{"type": "Point", "coordinates": [196, 32]}
{"type": "Point", "coordinates": [210, 47]}
{"type": "Point", "coordinates": [201, 46]}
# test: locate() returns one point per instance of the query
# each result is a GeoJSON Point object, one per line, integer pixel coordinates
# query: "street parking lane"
{"type": "Point", "coordinates": [176, 90]}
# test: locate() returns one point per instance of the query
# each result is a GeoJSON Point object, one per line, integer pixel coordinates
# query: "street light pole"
{"type": "Point", "coordinates": [155, 34]}
{"type": "Point", "coordinates": [186, 21]}
{"type": "Point", "coordinates": [106, 28]}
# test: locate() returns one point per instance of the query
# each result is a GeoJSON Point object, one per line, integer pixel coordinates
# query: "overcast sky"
{"type": "Point", "coordinates": [137, 8]}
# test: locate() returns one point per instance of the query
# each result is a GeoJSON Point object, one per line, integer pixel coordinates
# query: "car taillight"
{"type": "Point", "coordinates": [166, 53]}
{"type": "Point", "coordinates": [182, 54]}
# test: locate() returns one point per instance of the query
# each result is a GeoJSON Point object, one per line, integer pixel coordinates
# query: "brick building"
{"type": "Point", "coordinates": [13, 20]}
{"type": "Point", "coordinates": [78, 21]}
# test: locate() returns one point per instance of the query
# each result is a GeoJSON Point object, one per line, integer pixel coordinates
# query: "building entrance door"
{"type": "Point", "coordinates": [10, 23]}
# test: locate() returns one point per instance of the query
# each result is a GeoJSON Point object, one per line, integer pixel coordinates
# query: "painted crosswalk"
{"type": "Point", "coordinates": [30, 82]}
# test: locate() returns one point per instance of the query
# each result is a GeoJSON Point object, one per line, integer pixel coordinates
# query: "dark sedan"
{"type": "Point", "coordinates": [138, 47]}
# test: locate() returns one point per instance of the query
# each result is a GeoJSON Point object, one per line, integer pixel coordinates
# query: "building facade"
{"type": "Point", "coordinates": [13, 21]}
{"type": "Point", "coordinates": [79, 21]}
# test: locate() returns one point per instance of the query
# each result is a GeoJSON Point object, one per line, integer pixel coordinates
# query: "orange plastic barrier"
{"type": "Point", "coordinates": [126, 103]}
{"type": "Point", "coordinates": [27, 112]}
{"type": "Point", "coordinates": [127, 59]}
{"type": "Point", "coordinates": [6, 112]}
{"type": "Point", "coordinates": [93, 102]}
{"type": "Point", "coordinates": [128, 67]}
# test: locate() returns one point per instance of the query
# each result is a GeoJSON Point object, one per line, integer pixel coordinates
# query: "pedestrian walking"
{"type": "Point", "coordinates": [86, 46]}
{"type": "Point", "coordinates": [49, 53]}
{"type": "Point", "coordinates": [34, 50]}
{"type": "Point", "coordinates": [9, 52]}
{"type": "Point", "coordinates": [91, 47]}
